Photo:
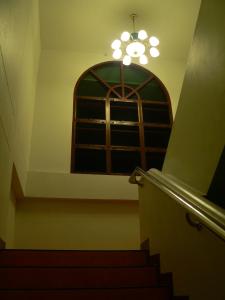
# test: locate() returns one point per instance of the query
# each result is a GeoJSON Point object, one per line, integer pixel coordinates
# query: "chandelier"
{"type": "Point", "coordinates": [135, 45]}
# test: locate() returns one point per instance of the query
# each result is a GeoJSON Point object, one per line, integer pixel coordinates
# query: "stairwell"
{"type": "Point", "coordinates": [70, 274]}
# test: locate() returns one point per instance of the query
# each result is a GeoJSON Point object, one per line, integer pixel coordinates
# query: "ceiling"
{"type": "Point", "coordinates": [92, 25]}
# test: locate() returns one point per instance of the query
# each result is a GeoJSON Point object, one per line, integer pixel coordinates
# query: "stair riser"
{"type": "Point", "coordinates": [72, 258]}
{"type": "Point", "coordinates": [50, 278]}
{"type": "Point", "coordinates": [116, 294]}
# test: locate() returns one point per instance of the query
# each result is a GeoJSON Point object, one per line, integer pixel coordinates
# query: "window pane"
{"type": "Point", "coordinates": [152, 91]}
{"type": "Point", "coordinates": [109, 73]}
{"type": "Point", "coordinates": [134, 96]}
{"type": "Point", "coordinates": [125, 161]}
{"type": "Point", "coordinates": [155, 113]}
{"type": "Point", "coordinates": [90, 160]}
{"type": "Point", "coordinates": [124, 135]}
{"type": "Point", "coordinates": [123, 111]}
{"type": "Point", "coordinates": [90, 134]}
{"type": "Point", "coordinates": [90, 109]}
{"type": "Point", "coordinates": [157, 137]}
{"type": "Point", "coordinates": [134, 76]}
{"type": "Point", "coordinates": [90, 86]}
{"type": "Point", "coordinates": [154, 160]}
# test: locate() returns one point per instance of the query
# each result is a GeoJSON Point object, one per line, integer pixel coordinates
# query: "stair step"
{"type": "Point", "coordinates": [74, 258]}
{"type": "Point", "coordinates": [68, 278]}
{"type": "Point", "coordinates": [154, 260]}
{"type": "Point", "coordinates": [76, 274]}
{"type": "Point", "coordinates": [84, 294]}
{"type": "Point", "coordinates": [166, 279]}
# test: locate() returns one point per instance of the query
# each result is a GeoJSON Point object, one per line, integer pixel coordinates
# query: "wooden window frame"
{"type": "Point", "coordinates": [120, 97]}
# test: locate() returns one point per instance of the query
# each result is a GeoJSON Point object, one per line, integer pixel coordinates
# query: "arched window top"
{"type": "Point", "coordinates": [121, 80]}
{"type": "Point", "coordinates": [122, 119]}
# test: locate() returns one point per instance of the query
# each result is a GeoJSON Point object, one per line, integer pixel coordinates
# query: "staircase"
{"type": "Point", "coordinates": [70, 274]}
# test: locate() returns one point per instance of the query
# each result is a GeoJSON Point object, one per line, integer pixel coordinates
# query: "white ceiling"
{"type": "Point", "coordinates": [91, 25]}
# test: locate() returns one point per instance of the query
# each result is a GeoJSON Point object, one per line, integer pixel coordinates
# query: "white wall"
{"type": "Point", "coordinates": [51, 139]}
{"type": "Point", "coordinates": [19, 53]}
{"type": "Point", "coordinates": [69, 224]}
{"type": "Point", "coordinates": [198, 134]}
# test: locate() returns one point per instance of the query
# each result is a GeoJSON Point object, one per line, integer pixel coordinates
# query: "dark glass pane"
{"type": "Point", "coordinates": [90, 160]}
{"type": "Point", "coordinates": [154, 160]}
{"type": "Point", "coordinates": [90, 109]}
{"type": "Point", "coordinates": [157, 137]}
{"type": "Point", "coordinates": [90, 86]}
{"type": "Point", "coordinates": [125, 161]}
{"type": "Point", "coordinates": [155, 113]}
{"type": "Point", "coordinates": [122, 135]}
{"type": "Point", "coordinates": [113, 95]}
{"type": "Point", "coordinates": [118, 90]}
{"type": "Point", "coordinates": [123, 111]}
{"type": "Point", "coordinates": [109, 72]}
{"type": "Point", "coordinates": [152, 91]}
{"type": "Point", "coordinates": [90, 134]}
{"type": "Point", "coordinates": [130, 95]}
{"type": "Point", "coordinates": [134, 75]}
{"type": "Point", "coordinates": [127, 90]}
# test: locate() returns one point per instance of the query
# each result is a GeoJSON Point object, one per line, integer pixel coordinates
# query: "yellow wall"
{"type": "Point", "coordinates": [6, 206]}
{"type": "Point", "coordinates": [80, 186]}
{"type": "Point", "coordinates": [198, 134]}
{"type": "Point", "coordinates": [51, 138]}
{"type": "Point", "coordinates": [19, 53]}
{"type": "Point", "coordinates": [196, 258]}
{"type": "Point", "coordinates": [51, 135]}
{"type": "Point", "coordinates": [68, 224]}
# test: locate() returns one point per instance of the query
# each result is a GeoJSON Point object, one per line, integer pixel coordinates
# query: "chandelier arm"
{"type": "Point", "coordinates": [140, 86]}
{"type": "Point", "coordinates": [105, 83]}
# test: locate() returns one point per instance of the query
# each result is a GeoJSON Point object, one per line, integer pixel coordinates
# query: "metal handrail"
{"type": "Point", "coordinates": [209, 214]}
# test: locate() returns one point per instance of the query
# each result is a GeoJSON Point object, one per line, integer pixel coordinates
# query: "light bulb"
{"type": "Point", "coordinates": [154, 52]}
{"type": "Point", "coordinates": [142, 35]}
{"type": "Point", "coordinates": [125, 36]}
{"type": "Point", "coordinates": [154, 41]}
{"type": "Point", "coordinates": [143, 59]}
{"type": "Point", "coordinates": [116, 44]}
{"type": "Point", "coordinates": [117, 54]}
{"type": "Point", "coordinates": [127, 60]}
{"type": "Point", "coordinates": [135, 49]}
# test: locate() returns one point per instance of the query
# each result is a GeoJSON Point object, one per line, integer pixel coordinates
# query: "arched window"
{"type": "Point", "coordinates": [122, 119]}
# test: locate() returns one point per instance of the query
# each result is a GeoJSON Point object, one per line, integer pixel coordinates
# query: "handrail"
{"type": "Point", "coordinates": [209, 214]}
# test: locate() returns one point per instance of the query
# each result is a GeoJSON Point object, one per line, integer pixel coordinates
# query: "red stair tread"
{"type": "Point", "coordinates": [84, 294]}
{"type": "Point", "coordinates": [72, 258]}
{"type": "Point", "coordinates": [81, 275]}
{"type": "Point", "coordinates": [50, 278]}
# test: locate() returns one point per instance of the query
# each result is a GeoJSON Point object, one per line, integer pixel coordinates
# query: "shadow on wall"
{"type": "Point", "coordinates": [216, 192]}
